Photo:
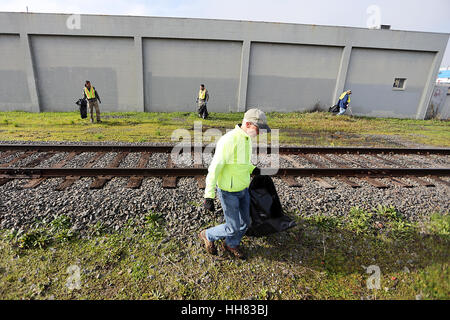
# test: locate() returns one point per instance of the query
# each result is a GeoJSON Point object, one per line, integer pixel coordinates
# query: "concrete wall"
{"type": "Point", "coordinates": [157, 64]}
{"type": "Point", "coordinates": [285, 77]}
{"type": "Point", "coordinates": [371, 75]}
{"type": "Point", "coordinates": [62, 64]}
{"type": "Point", "coordinates": [14, 90]}
{"type": "Point", "coordinates": [174, 70]}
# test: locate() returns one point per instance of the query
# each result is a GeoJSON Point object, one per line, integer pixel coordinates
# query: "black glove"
{"type": "Point", "coordinates": [209, 204]}
{"type": "Point", "coordinates": [100, 101]}
{"type": "Point", "coordinates": [256, 171]}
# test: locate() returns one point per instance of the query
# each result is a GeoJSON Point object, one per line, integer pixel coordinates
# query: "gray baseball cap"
{"type": "Point", "coordinates": [257, 117]}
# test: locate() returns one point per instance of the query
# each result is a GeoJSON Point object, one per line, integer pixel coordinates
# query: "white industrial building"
{"type": "Point", "coordinates": [156, 64]}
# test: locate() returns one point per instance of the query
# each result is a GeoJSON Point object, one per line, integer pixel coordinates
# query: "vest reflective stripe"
{"type": "Point", "coordinates": [343, 95]}
{"type": "Point", "coordinates": [202, 94]}
{"type": "Point", "coordinates": [90, 94]}
{"type": "Point", "coordinates": [247, 160]}
{"type": "Point", "coordinates": [246, 152]}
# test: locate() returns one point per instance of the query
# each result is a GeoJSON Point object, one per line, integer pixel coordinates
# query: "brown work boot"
{"type": "Point", "coordinates": [209, 245]}
{"type": "Point", "coordinates": [235, 252]}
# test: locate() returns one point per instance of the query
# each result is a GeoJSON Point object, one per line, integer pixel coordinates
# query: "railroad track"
{"type": "Point", "coordinates": [349, 165]}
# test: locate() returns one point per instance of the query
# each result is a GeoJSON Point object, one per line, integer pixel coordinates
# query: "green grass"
{"type": "Point", "coordinates": [315, 128]}
{"type": "Point", "coordinates": [323, 257]}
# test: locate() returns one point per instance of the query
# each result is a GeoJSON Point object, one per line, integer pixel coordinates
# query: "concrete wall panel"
{"type": "Point", "coordinates": [62, 64]}
{"type": "Point", "coordinates": [14, 91]}
{"type": "Point", "coordinates": [175, 68]}
{"type": "Point", "coordinates": [285, 77]}
{"type": "Point", "coordinates": [371, 76]}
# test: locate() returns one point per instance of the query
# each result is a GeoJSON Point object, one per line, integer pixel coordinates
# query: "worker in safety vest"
{"type": "Point", "coordinates": [230, 170]}
{"type": "Point", "coordinates": [202, 99]}
{"type": "Point", "coordinates": [344, 100]}
{"type": "Point", "coordinates": [91, 94]}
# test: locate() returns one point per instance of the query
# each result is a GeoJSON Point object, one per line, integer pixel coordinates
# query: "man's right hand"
{"type": "Point", "coordinates": [256, 171]}
{"type": "Point", "coordinates": [209, 204]}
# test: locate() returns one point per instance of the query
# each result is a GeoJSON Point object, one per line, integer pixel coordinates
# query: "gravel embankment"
{"type": "Point", "coordinates": [115, 203]}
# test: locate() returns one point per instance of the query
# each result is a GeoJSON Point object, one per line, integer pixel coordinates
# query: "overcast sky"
{"type": "Point", "coordinates": [414, 15]}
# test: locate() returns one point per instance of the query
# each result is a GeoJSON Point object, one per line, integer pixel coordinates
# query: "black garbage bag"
{"type": "Point", "coordinates": [203, 111]}
{"type": "Point", "coordinates": [266, 211]}
{"type": "Point", "coordinates": [82, 103]}
{"type": "Point", "coordinates": [334, 109]}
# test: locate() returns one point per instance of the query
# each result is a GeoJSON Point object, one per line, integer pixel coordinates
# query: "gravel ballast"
{"type": "Point", "coordinates": [182, 208]}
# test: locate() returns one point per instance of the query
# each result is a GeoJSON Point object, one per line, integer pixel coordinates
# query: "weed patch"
{"type": "Point", "coordinates": [57, 232]}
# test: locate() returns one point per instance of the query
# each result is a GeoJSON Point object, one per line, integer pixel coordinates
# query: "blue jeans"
{"type": "Point", "coordinates": [236, 209]}
{"type": "Point", "coordinates": [341, 111]}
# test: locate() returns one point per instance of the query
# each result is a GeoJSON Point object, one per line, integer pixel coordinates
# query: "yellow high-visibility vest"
{"type": "Point", "coordinates": [231, 165]}
{"type": "Point", "coordinates": [202, 94]}
{"type": "Point", "coordinates": [343, 95]}
{"type": "Point", "coordinates": [90, 94]}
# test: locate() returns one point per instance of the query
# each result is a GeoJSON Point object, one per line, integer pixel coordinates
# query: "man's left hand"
{"type": "Point", "coordinates": [209, 204]}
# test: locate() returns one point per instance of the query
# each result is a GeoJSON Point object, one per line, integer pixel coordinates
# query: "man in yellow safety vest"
{"type": "Point", "coordinates": [344, 100]}
{"type": "Point", "coordinates": [230, 171]}
{"type": "Point", "coordinates": [91, 94]}
{"type": "Point", "coordinates": [203, 97]}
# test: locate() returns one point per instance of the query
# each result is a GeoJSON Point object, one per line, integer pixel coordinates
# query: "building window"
{"type": "Point", "coordinates": [399, 84]}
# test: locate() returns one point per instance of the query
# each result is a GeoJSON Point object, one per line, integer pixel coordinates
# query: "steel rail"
{"type": "Point", "coordinates": [192, 148]}
{"type": "Point", "coordinates": [19, 173]}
